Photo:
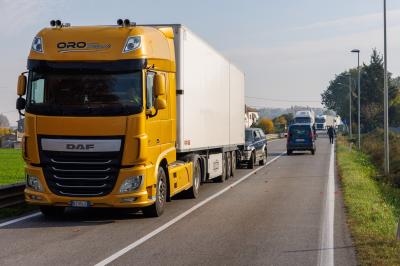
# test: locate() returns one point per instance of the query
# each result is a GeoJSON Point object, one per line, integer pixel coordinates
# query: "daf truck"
{"type": "Point", "coordinates": [126, 116]}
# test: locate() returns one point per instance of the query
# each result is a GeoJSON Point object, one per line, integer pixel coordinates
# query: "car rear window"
{"type": "Point", "coordinates": [300, 131]}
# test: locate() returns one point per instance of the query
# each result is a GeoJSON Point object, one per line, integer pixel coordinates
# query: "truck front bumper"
{"type": "Point", "coordinates": [142, 197]}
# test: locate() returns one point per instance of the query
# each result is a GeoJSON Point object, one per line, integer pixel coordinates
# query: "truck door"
{"type": "Point", "coordinates": [153, 126]}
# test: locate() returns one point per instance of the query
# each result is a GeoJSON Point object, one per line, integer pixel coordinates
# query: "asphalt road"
{"type": "Point", "coordinates": [278, 215]}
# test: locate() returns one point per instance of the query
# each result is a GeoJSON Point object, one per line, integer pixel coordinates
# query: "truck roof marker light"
{"type": "Point", "coordinates": [120, 22]}
{"type": "Point", "coordinates": [132, 43]}
{"type": "Point", "coordinates": [58, 23]}
{"type": "Point", "coordinates": [52, 23]}
{"type": "Point", "coordinates": [37, 44]}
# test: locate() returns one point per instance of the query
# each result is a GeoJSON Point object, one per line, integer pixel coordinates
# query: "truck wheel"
{"type": "Point", "coordinates": [52, 211]}
{"type": "Point", "coordinates": [193, 192]}
{"type": "Point", "coordinates": [222, 177]}
{"type": "Point", "coordinates": [252, 161]}
{"type": "Point", "coordinates": [228, 165]}
{"type": "Point", "coordinates": [313, 152]}
{"type": "Point", "coordinates": [233, 163]}
{"type": "Point", "coordinates": [158, 207]}
{"type": "Point", "coordinates": [264, 159]}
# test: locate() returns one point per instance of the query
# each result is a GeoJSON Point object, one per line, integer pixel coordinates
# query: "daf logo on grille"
{"type": "Point", "coordinates": [71, 146]}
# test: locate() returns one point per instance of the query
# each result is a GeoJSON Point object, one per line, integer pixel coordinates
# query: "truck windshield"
{"type": "Point", "coordinates": [302, 120]}
{"type": "Point", "coordinates": [84, 94]}
{"type": "Point", "coordinates": [320, 120]}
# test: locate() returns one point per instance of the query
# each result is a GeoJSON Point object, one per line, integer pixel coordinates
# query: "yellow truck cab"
{"type": "Point", "coordinates": [105, 110]}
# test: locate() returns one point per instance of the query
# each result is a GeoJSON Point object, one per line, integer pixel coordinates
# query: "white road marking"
{"type": "Point", "coordinates": [178, 218]}
{"type": "Point", "coordinates": [20, 219]}
{"type": "Point", "coordinates": [326, 254]}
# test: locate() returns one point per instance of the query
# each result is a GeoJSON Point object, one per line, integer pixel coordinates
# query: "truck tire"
{"type": "Point", "coordinates": [228, 165]}
{"type": "Point", "coordinates": [222, 178]}
{"type": "Point", "coordinates": [264, 159]}
{"type": "Point", "coordinates": [313, 152]}
{"type": "Point", "coordinates": [250, 164]}
{"type": "Point", "coordinates": [158, 207]}
{"type": "Point", "coordinates": [193, 192]}
{"type": "Point", "coordinates": [234, 163]}
{"type": "Point", "coordinates": [52, 211]}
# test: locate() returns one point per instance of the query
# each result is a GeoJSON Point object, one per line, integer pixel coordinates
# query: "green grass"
{"type": "Point", "coordinates": [373, 208]}
{"type": "Point", "coordinates": [11, 166]}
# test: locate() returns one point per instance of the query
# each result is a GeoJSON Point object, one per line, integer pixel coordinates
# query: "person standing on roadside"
{"type": "Point", "coordinates": [331, 134]}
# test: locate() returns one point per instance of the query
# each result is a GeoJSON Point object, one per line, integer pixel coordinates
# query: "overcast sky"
{"type": "Point", "coordinates": [289, 50]}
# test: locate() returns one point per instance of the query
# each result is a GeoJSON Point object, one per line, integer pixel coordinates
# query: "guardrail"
{"type": "Point", "coordinates": [11, 195]}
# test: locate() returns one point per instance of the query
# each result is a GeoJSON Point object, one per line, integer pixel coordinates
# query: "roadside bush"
{"type": "Point", "coordinates": [372, 144]}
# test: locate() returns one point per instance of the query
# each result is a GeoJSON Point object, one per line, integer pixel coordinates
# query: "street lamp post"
{"type": "Point", "coordinates": [351, 132]}
{"type": "Point", "coordinates": [359, 95]}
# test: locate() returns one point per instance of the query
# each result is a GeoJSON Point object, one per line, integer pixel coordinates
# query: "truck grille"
{"type": "Point", "coordinates": [80, 174]}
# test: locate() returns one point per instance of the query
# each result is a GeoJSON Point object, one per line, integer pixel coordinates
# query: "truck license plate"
{"type": "Point", "coordinates": [300, 140]}
{"type": "Point", "coordinates": [80, 203]}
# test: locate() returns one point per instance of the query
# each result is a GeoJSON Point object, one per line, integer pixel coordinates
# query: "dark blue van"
{"type": "Point", "coordinates": [300, 137]}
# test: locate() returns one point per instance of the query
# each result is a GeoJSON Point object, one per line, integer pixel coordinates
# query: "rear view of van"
{"type": "Point", "coordinates": [300, 137]}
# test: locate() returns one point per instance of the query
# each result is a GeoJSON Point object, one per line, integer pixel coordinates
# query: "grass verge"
{"type": "Point", "coordinates": [373, 208]}
{"type": "Point", "coordinates": [11, 166]}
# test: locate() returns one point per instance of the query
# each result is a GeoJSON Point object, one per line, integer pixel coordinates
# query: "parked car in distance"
{"type": "Point", "coordinates": [300, 138]}
{"type": "Point", "coordinates": [255, 148]}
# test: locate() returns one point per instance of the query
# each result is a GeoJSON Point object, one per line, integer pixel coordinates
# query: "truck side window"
{"type": "Point", "coordinates": [37, 91]}
{"type": "Point", "coordinates": [150, 90]}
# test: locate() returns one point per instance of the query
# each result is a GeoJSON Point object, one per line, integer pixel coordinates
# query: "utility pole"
{"type": "Point", "coordinates": [385, 96]}
{"type": "Point", "coordinates": [359, 95]}
{"type": "Point", "coordinates": [350, 124]}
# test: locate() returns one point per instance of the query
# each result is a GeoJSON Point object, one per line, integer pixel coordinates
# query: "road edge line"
{"type": "Point", "coordinates": [155, 232]}
{"type": "Point", "coordinates": [19, 219]}
{"type": "Point", "coordinates": [326, 254]}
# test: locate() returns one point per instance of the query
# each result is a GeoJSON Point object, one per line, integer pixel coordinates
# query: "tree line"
{"type": "Point", "coordinates": [336, 96]}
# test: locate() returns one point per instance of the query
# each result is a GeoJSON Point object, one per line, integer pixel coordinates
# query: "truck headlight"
{"type": "Point", "coordinates": [37, 44]}
{"type": "Point", "coordinates": [132, 43]}
{"type": "Point", "coordinates": [131, 184]}
{"type": "Point", "coordinates": [34, 183]}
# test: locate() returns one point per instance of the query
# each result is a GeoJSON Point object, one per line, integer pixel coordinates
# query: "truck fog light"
{"type": "Point", "coordinates": [127, 200]}
{"type": "Point", "coordinates": [131, 183]}
{"type": "Point", "coordinates": [33, 197]}
{"type": "Point", "coordinates": [34, 183]}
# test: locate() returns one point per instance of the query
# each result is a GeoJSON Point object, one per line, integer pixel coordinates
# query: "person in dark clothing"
{"type": "Point", "coordinates": [314, 131]}
{"type": "Point", "coordinates": [331, 134]}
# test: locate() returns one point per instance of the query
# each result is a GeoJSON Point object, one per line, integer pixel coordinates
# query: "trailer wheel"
{"type": "Point", "coordinates": [233, 163]}
{"type": "Point", "coordinates": [222, 177]}
{"type": "Point", "coordinates": [52, 211]}
{"type": "Point", "coordinates": [158, 207]}
{"type": "Point", "coordinates": [193, 192]}
{"type": "Point", "coordinates": [228, 164]}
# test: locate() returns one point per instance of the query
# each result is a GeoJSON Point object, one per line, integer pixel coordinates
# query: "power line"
{"type": "Point", "coordinates": [281, 100]}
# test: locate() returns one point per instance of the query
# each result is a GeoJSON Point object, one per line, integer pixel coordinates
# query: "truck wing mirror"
{"type": "Point", "coordinates": [21, 87]}
{"type": "Point", "coordinates": [161, 104]}
{"type": "Point", "coordinates": [159, 85]}
{"type": "Point", "coordinates": [20, 104]}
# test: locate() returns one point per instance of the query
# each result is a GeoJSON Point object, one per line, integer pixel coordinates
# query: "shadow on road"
{"type": "Point", "coordinates": [80, 217]}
